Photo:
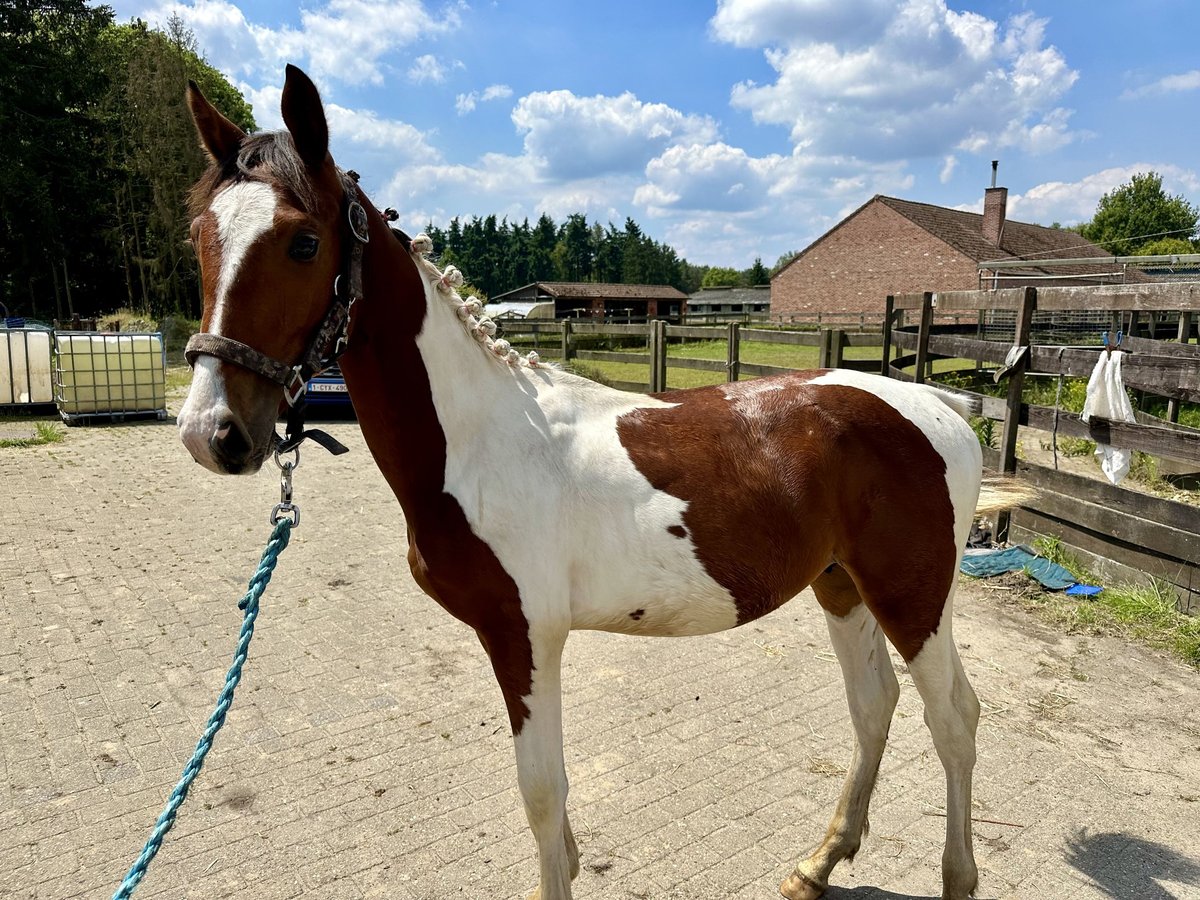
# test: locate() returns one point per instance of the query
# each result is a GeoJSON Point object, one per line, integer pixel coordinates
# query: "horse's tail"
{"type": "Point", "coordinates": [1002, 492]}
{"type": "Point", "coordinates": [966, 405]}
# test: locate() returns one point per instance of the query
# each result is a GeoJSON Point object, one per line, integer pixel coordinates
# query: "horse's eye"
{"type": "Point", "coordinates": [304, 247]}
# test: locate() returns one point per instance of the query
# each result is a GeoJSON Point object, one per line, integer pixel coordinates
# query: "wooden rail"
{"type": "Point", "coordinates": [1122, 533]}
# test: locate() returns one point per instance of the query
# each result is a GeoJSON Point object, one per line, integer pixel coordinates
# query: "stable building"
{"type": "Point", "coordinates": [587, 300]}
{"type": "Point", "coordinates": [730, 304]}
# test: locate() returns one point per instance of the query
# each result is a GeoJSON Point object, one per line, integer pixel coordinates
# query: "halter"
{"type": "Point", "coordinates": [326, 346]}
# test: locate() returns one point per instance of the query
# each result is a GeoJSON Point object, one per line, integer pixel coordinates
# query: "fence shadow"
{"type": "Point", "coordinates": [1125, 866]}
{"type": "Point", "coordinates": [871, 893]}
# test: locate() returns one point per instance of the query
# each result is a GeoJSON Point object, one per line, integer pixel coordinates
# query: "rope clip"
{"type": "Point", "coordinates": [285, 507]}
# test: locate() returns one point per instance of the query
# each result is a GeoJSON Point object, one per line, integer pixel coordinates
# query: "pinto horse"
{"type": "Point", "coordinates": [683, 513]}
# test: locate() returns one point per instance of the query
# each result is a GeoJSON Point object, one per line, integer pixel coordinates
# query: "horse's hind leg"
{"type": "Point", "coordinates": [872, 692]}
{"type": "Point", "coordinates": [952, 714]}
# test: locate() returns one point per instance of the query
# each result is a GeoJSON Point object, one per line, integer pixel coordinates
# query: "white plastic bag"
{"type": "Point", "coordinates": [1107, 399]}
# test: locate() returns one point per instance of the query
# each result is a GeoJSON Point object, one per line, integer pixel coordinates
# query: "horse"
{"type": "Point", "coordinates": [681, 513]}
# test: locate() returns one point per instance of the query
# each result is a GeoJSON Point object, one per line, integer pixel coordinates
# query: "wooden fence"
{"type": "Point", "coordinates": [568, 340]}
{"type": "Point", "coordinates": [1122, 533]}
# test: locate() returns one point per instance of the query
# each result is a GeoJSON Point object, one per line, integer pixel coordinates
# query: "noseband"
{"type": "Point", "coordinates": [326, 346]}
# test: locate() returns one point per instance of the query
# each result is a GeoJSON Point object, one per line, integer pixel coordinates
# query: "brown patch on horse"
{"type": "Point", "coordinates": [836, 592]}
{"type": "Point", "coordinates": [678, 530]}
{"type": "Point", "coordinates": [448, 560]}
{"type": "Point", "coordinates": [780, 476]}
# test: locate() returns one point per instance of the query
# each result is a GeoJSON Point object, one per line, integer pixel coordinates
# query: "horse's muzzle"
{"type": "Point", "coordinates": [231, 447]}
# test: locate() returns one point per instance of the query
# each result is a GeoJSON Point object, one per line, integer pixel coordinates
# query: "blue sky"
{"type": "Point", "coordinates": [729, 129]}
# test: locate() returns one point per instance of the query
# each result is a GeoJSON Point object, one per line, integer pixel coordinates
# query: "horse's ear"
{"type": "Point", "coordinates": [305, 117]}
{"type": "Point", "coordinates": [218, 136]}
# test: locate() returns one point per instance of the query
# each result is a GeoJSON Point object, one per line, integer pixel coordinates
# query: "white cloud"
{"type": "Point", "coordinates": [949, 164]}
{"type": "Point", "coordinates": [906, 80]}
{"type": "Point", "coordinates": [1171, 84]}
{"type": "Point", "coordinates": [581, 137]}
{"type": "Point", "coordinates": [495, 92]}
{"type": "Point", "coordinates": [341, 41]}
{"type": "Point", "coordinates": [1073, 202]}
{"type": "Point", "coordinates": [465, 103]}
{"type": "Point", "coordinates": [430, 68]}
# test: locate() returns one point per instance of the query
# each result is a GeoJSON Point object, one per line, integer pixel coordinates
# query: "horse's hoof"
{"type": "Point", "coordinates": [797, 887]}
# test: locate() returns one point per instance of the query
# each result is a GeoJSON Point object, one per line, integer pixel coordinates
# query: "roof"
{"type": "Point", "coordinates": [757, 294]}
{"type": "Point", "coordinates": [1021, 240]}
{"type": "Point", "coordinates": [963, 232]}
{"type": "Point", "coordinates": [583, 290]}
{"type": "Point", "coordinates": [517, 309]}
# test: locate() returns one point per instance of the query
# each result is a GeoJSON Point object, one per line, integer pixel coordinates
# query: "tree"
{"type": "Point", "coordinates": [784, 260]}
{"type": "Point", "coordinates": [52, 174]}
{"type": "Point", "coordinates": [98, 153]}
{"type": "Point", "coordinates": [1172, 246]}
{"type": "Point", "coordinates": [721, 276]}
{"type": "Point", "coordinates": [1132, 215]}
{"type": "Point", "coordinates": [757, 273]}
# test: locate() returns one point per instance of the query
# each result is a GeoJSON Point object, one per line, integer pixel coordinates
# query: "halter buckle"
{"type": "Point", "coordinates": [294, 389]}
{"type": "Point", "coordinates": [356, 216]}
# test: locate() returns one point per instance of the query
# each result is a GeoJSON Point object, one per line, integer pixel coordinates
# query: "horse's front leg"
{"type": "Point", "coordinates": [535, 711]}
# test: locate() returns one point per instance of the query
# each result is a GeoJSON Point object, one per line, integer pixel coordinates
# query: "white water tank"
{"type": "Point", "coordinates": [25, 367]}
{"type": "Point", "coordinates": [109, 373]}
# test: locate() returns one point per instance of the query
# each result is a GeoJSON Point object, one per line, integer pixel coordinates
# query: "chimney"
{"type": "Point", "coordinates": [995, 202]}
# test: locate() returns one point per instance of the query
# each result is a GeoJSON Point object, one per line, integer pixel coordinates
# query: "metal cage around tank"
{"type": "Point", "coordinates": [103, 377]}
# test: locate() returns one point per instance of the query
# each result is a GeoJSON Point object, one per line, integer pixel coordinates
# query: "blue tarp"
{"type": "Point", "coordinates": [985, 563]}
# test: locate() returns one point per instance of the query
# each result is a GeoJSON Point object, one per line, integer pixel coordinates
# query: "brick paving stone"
{"type": "Point", "coordinates": [368, 755]}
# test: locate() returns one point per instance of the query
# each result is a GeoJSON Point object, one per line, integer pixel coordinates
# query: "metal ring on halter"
{"type": "Point", "coordinates": [293, 464]}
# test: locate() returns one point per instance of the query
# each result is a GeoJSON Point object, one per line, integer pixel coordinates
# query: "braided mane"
{"type": "Point", "coordinates": [470, 312]}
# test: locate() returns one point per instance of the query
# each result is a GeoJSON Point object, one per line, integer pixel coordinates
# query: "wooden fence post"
{"type": "Point", "coordinates": [836, 349]}
{"type": "Point", "coordinates": [1012, 411]}
{"type": "Point", "coordinates": [733, 352]}
{"type": "Point", "coordinates": [889, 310]}
{"type": "Point", "coordinates": [1183, 336]}
{"type": "Point", "coordinates": [923, 337]}
{"type": "Point", "coordinates": [566, 339]}
{"type": "Point", "coordinates": [823, 349]}
{"type": "Point", "coordinates": [658, 356]}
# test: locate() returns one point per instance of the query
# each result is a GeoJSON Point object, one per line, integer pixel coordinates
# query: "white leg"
{"type": "Point", "coordinates": [952, 714]}
{"type": "Point", "coordinates": [541, 773]}
{"type": "Point", "coordinates": [872, 692]}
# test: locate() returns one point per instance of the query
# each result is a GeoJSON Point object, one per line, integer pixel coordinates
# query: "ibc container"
{"type": "Point", "coordinates": [109, 375]}
{"type": "Point", "coordinates": [25, 367]}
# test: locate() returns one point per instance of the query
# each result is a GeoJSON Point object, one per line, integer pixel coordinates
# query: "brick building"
{"type": "Point", "coordinates": [892, 246]}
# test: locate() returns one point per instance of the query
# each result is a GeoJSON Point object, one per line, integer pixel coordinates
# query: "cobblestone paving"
{"type": "Point", "coordinates": [367, 754]}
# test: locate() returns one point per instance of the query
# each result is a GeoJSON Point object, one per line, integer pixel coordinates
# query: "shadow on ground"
{"type": "Point", "coordinates": [1125, 866]}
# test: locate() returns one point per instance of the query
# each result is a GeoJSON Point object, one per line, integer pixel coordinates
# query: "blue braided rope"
{"type": "Point", "coordinates": [249, 603]}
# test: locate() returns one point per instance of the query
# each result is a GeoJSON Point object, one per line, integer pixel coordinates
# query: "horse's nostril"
{"type": "Point", "coordinates": [230, 443]}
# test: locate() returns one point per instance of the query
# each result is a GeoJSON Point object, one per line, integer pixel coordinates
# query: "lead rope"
{"type": "Point", "coordinates": [285, 516]}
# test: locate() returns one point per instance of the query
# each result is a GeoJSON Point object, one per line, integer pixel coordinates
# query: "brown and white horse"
{"type": "Point", "coordinates": [678, 514]}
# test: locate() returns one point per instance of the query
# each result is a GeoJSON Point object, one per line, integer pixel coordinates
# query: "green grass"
{"type": "Point", "coordinates": [44, 433]}
{"type": "Point", "coordinates": [1147, 613]}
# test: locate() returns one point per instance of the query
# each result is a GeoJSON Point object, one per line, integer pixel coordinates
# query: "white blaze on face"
{"type": "Point", "coordinates": [244, 212]}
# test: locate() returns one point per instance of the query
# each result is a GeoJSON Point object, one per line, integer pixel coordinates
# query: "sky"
{"type": "Point", "coordinates": [732, 129]}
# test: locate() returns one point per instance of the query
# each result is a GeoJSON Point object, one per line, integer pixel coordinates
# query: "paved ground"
{"type": "Point", "coordinates": [367, 754]}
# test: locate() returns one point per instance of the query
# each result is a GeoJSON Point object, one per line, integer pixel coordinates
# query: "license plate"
{"type": "Point", "coordinates": [327, 388]}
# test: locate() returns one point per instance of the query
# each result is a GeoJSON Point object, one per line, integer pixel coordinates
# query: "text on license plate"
{"type": "Point", "coordinates": [327, 388]}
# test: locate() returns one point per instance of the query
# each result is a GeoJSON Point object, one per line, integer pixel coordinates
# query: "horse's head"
{"type": "Point", "coordinates": [270, 236]}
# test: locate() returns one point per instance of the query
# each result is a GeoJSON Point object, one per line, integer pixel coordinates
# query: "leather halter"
{"type": "Point", "coordinates": [326, 346]}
